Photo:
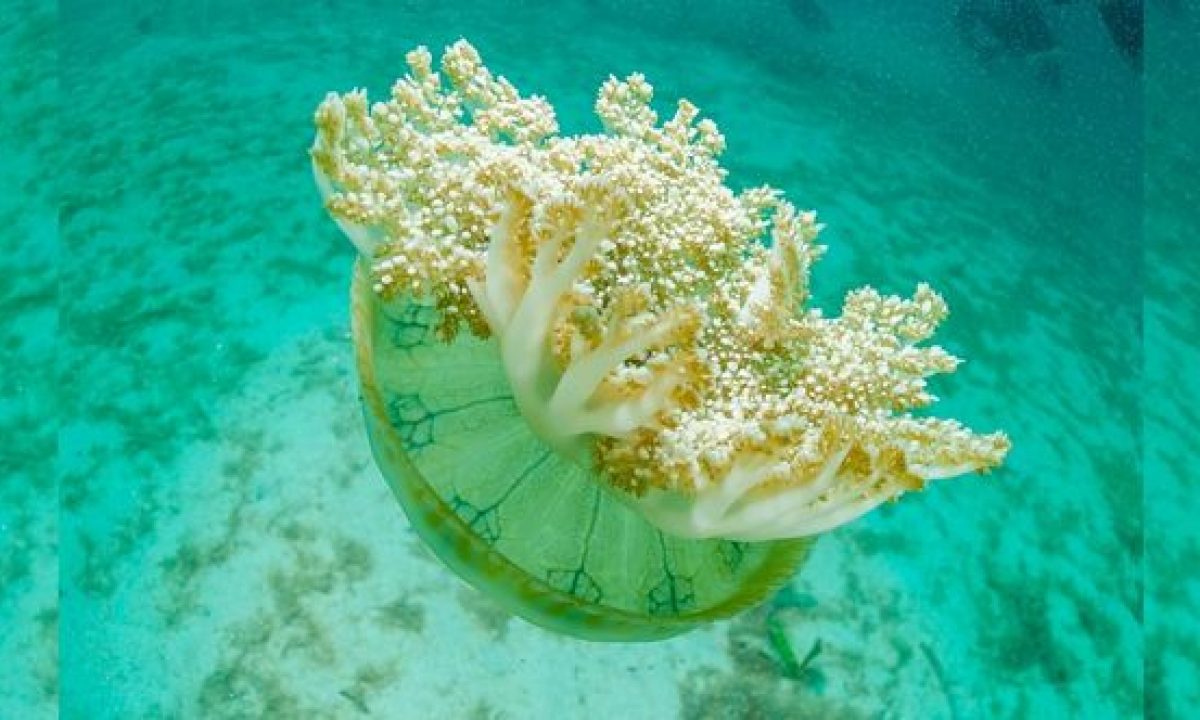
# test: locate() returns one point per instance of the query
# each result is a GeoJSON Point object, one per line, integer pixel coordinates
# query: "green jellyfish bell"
{"type": "Point", "coordinates": [588, 370]}
{"type": "Point", "coordinates": [518, 521]}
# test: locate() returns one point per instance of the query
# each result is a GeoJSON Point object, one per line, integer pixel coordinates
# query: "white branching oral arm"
{"type": "Point", "coordinates": [521, 298]}
{"type": "Point", "coordinates": [651, 322]}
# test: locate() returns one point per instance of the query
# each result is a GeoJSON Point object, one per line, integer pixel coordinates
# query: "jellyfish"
{"type": "Point", "coordinates": [589, 371]}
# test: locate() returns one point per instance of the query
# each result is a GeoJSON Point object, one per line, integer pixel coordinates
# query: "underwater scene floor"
{"type": "Point", "coordinates": [225, 547]}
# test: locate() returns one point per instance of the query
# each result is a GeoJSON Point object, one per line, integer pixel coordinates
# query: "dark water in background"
{"type": "Point", "coordinates": [225, 547]}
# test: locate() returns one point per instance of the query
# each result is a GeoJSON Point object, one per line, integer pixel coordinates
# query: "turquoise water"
{"type": "Point", "coordinates": [194, 526]}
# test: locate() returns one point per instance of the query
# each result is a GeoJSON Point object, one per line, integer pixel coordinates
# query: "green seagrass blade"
{"type": "Point", "coordinates": [546, 538]}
